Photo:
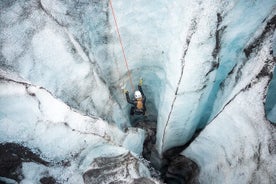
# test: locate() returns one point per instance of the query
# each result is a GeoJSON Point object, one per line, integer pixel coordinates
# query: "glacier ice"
{"type": "Point", "coordinates": [204, 70]}
{"type": "Point", "coordinates": [270, 104]}
{"type": "Point", "coordinates": [203, 63]}
{"type": "Point", "coordinates": [47, 54]}
{"type": "Point", "coordinates": [32, 116]}
{"type": "Point", "coordinates": [240, 139]}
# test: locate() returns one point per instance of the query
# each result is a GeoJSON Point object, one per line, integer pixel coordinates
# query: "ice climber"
{"type": "Point", "coordinates": [138, 102]}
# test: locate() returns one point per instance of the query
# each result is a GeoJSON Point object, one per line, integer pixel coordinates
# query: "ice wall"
{"type": "Point", "coordinates": [213, 46]}
{"type": "Point", "coordinates": [197, 44]}
{"type": "Point", "coordinates": [270, 100]}
{"type": "Point", "coordinates": [238, 145]}
{"type": "Point", "coordinates": [71, 142]}
{"type": "Point", "coordinates": [60, 46]}
{"type": "Point", "coordinates": [270, 104]}
{"type": "Point", "coordinates": [186, 51]}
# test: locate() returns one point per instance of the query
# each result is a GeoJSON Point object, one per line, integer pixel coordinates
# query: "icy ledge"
{"type": "Point", "coordinates": [72, 144]}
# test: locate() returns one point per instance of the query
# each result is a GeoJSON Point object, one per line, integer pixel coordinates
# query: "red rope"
{"type": "Point", "coordinates": [121, 43]}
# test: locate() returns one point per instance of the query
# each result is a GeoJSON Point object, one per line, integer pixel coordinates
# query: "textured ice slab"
{"type": "Point", "coordinates": [50, 47]}
{"type": "Point", "coordinates": [239, 143]}
{"type": "Point", "coordinates": [30, 115]}
{"type": "Point", "coordinates": [211, 46]}
{"type": "Point", "coordinates": [126, 167]}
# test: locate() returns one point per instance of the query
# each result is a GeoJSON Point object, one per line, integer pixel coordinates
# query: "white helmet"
{"type": "Point", "coordinates": [137, 94]}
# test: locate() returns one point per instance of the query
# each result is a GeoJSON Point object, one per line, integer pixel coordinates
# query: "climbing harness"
{"type": "Point", "coordinates": [121, 43]}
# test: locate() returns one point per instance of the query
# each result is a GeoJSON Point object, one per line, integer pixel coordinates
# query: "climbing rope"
{"type": "Point", "coordinates": [121, 43]}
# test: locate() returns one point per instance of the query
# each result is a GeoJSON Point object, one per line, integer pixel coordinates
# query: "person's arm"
{"type": "Point", "coordinates": [143, 95]}
{"type": "Point", "coordinates": [128, 99]}
{"type": "Point", "coordinates": [141, 90]}
{"type": "Point", "coordinates": [140, 87]}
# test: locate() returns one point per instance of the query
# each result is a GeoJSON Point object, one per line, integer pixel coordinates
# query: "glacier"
{"type": "Point", "coordinates": [64, 137]}
{"type": "Point", "coordinates": [209, 77]}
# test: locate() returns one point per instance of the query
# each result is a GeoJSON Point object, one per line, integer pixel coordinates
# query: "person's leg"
{"type": "Point", "coordinates": [145, 109]}
{"type": "Point", "coordinates": [132, 111]}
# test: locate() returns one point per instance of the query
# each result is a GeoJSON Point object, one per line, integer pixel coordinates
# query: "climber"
{"type": "Point", "coordinates": [139, 101]}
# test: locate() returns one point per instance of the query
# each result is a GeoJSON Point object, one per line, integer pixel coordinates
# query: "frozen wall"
{"type": "Point", "coordinates": [71, 142]}
{"type": "Point", "coordinates": [270, 100]}
{"type": "Point", "coordinates": [60, 46]}
{"type": "Point", "coordinates": [191, 54]}
{"type": "Point", "coordinates": [213, 46]}
{"type": "Point", "coordinates": [238, 145]}
{"type": "Point", "coordinates": [72, 49]}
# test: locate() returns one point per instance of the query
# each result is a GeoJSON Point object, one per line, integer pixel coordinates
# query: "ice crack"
{"type": "Point", "coordinates": [191, 32]}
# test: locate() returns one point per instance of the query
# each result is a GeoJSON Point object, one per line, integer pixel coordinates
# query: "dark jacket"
{"type": "Point", "coordinates": [134, 102]}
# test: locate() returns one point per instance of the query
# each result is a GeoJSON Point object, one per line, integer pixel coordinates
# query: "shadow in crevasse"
{"type": "Point", "coordinates": [172, 168]}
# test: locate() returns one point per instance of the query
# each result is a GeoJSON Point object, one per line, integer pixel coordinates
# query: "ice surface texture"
{"type": "Point", "coordinates": [203, 62]}
{"type": "Point", "coordinates": [271, 100]}
{"type": "Point", "coordinates": [31, 116]}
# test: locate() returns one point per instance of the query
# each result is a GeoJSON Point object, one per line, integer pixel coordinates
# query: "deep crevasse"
{"type": "Point", "coordinates": [183, 50]}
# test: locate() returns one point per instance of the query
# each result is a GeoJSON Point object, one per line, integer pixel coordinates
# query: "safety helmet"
{"type": "Point", "coordinates": [137, 94]}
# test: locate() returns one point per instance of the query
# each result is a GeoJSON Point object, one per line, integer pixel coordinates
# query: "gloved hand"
{"type": "Point", "coordinates": [125, 91]}
{"type": "Point", "coordinates": [140, 81]}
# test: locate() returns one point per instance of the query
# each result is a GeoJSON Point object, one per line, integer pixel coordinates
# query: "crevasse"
{"type": "Point", "coordinates": [201, 61]}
